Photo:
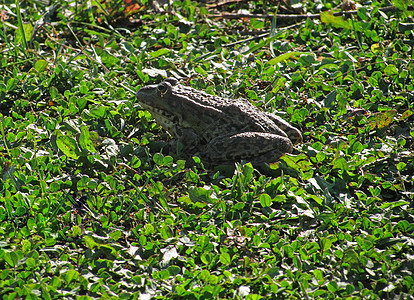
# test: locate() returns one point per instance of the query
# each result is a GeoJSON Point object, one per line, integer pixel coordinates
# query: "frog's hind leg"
{"type": "Point", "coordinates": [250, 146]}
{"type": "Point", "coordinates": [292, 132]}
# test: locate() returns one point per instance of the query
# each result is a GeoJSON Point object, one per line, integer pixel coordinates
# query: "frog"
{"type": "Point", "coordinates": [217, 129]}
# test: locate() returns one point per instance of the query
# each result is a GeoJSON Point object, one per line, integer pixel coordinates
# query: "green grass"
{"type": "Point", "coordinates": [93, 206]}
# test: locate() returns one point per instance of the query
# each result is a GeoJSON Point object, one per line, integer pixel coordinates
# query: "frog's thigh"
{"type": "Point", "coordinates": [248, 145]}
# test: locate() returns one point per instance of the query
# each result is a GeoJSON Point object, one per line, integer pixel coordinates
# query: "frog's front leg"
{"type": "Point", "coordinates": [252, 146]}
{"type": "Point", "coordinates": [187, 142]}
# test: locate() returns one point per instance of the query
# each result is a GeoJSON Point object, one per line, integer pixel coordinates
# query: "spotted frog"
{"type": "Point", "coordinates": [216, 129]}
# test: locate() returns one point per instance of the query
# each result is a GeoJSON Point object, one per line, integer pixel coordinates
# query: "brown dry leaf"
{"type": "Point", "coordinates": [382, 119]}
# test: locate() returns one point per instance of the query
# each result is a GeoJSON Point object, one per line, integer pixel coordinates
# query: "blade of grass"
{"type": "Point", "coordinates": [21, 28]}
{"type": "Point", "coordinates": [135, 201]}
{"type": "Point", "coordinates": [273, 32]}
{"type": "Point", "coordinates": [357, 37]}
{"type": "Point", "coordinates": [262, 44]}
{"type": "Point", "coordinates": [4, 136]}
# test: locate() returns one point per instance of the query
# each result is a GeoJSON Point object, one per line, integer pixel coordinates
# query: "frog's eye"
{"type": "Point", "coordinates": [162, 88]}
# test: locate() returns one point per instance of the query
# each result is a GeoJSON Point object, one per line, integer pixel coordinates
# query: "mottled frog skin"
{"type": "Point", "coordinates": [217, 129]}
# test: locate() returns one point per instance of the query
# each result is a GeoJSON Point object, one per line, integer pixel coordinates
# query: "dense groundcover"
{"type": "Point", "coordinates": [93, 205]}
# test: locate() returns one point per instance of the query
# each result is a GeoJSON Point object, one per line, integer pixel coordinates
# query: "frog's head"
{"type": "Point", "coordinates": [160, 97]}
